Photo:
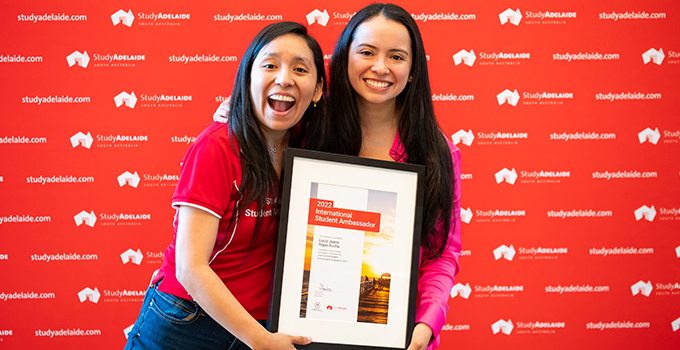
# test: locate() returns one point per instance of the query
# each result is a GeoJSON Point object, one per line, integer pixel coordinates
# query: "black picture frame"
{"type": "Point", "coordinates": [397, 186]}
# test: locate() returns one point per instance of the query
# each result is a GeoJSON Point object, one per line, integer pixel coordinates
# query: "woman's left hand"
{"type": "Point", "coordinates": [422, 334]}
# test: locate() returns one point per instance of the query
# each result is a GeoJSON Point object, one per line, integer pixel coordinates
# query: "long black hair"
{"type": "Point", "coordinates": [259, 177]}
{"type": "Point", "coordinates": [418, 128]}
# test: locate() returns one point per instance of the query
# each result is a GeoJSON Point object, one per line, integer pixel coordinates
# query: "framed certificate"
{"type": "Point", "coordinates": [347, 260]}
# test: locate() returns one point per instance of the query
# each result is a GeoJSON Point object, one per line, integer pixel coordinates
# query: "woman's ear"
{"type": "Point", "coordinates": [318, 92]}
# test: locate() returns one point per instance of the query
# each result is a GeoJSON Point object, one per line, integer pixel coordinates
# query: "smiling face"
{"type": "Point", "coordinates": [379, 62]}
{"type": "Point", "coordinates": [283, 83]}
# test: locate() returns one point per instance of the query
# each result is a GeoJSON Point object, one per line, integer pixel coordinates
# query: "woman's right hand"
{"type": "Point", "coordinates": [280, 341]}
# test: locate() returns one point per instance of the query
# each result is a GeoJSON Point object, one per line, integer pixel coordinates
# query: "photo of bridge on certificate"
{"type": "Point", "coordinates": [350, 238]}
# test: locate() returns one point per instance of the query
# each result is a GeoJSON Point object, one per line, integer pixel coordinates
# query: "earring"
{"type": "Point", "coordinates": [410, 79]}
{"type": "Point", "coordinates": [314, 104]}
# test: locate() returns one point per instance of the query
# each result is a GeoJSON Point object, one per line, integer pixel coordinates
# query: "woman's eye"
{"type": "Point", "coordinates": [398, 58]}
{"type": "Point", "coordinates": [301, 70]}
{"type": "Point", "coordinates": [365, 53]}
{"type": "Point", "coordinates": [268, 66]}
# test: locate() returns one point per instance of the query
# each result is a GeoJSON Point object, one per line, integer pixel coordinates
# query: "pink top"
{"type": "Point", "coordinates": [209, 180]}
{"type": "Point", "coordinates": [436, 275]}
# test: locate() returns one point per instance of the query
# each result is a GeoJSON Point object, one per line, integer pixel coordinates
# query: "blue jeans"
{"type": "Point", "coordinates": [170, 322]}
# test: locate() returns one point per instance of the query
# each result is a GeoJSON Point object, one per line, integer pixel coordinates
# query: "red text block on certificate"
{"type": "Point", "coordinates": [322, 213]}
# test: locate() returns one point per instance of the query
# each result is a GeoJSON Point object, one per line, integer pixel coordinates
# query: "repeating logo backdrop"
{"type": "Point", "coordinates": [566, 115]}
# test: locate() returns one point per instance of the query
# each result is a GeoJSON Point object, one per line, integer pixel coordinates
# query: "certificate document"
{"type": "Point", "coordinates": [348, 254]}
{"type": "Point", "coordinates": [347, 257]}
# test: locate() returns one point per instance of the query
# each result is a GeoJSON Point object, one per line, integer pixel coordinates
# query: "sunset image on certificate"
{"type": "Point", "coordinates": [376, 266]}
{"type": "Point", "coordinates": [348, 254]}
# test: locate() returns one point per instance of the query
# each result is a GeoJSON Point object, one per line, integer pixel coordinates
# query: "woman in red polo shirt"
{"type": "Point", "coordinates": [212, 290]}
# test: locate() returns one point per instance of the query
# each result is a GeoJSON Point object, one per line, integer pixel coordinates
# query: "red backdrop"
{"type": "Point", "coordinates": [566, 116]}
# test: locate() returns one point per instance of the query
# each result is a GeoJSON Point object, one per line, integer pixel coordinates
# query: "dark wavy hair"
{"type": "Point", "coordinates": [418, 128]}
{"type": "Point", "coordinates": [259, 177]}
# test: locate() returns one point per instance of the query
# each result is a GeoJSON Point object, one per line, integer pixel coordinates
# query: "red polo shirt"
{"type": "Point", "coordinates": [209, 180]}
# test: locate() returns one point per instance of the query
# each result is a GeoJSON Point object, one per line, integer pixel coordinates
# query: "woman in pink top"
{"type": "Point", "coordinates": [380, 106]}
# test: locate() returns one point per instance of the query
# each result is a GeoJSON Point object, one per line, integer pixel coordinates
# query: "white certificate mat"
{"type": "Point", "coordinates": [349, 239]}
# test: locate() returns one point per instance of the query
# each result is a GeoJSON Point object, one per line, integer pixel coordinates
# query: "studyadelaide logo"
{"type": "Point", "coordinates": [509, 97]}
{"type": "Point", "coordinates": [490, 58]}
{"type": "Point", "coordinates": [546, 98]}
{"type": "Point", "coordinates": [162, 18]}
{"type": "Point", "coordinates": [82, 140]}
{"type": "Point", "coordinates": [118, 59]}
{"type": "Point", "coordinates": [645, 213]}
{"type": "Point", "coordinates": [506, 175]}
{"type": "Point", "coordinates": [530, 327]}
{"type": "Point", "coordinates": [531, 177]}
{"type": "Point", "coordinates": [669, 213]}
{"type": "Point", "coordinates": [78, 59]}
{"type": "Point", "coordinates": [465, 57]}
{"type": "Point", "coordinates": [128, 179]}
{"type": "Point", "coordinates": [673, 57]}
{"type": "Point", "coordinates": [642, 288]}
{"type": "Point", "coordinates": [121, 140]}
{"type": "Point", "coordinates": [123, 295]}
{"type": "Point", "coordinates": [85, 218]}
{"type": "Point", "coordinates": [94, 296]}
{"type": "Point", "coordinates": [466, 137]}
{"type": "Point", "coordinates": [549, 17]}
{"type": "Point", "coordinates": [536, 17]}
{"type": "Point", "coordinates": [128, 100]}
{"type": "Point", "coordinates": [539, 327]}
{"type": "Point", "coordinates": [122, 218]}
{"type": "Point", "coordinates": [149, 180]}
{"type": "Point", "coordinates": [160, 180]}
{"type": "Point", "coordinates": [91, 295]}
{"type": "Point", "coordinates": [534, 253]}
{"type": "Point", "coordinates": [649, 135]}
{"type": "Point", "coordinates": [671, 136]}
{"type": "Point", "coordinates": [512, 97]}
{"type": "Point", "coordinates": [131, 256]}
{"type": "Point", "coordinates": [498, 215]}
{"type": "Point", "coordinates": [502, 326]}
{"type": "Point", "coordinates": [542, 253]}
{"type": "Point", "coordinates": [653, 136]}
{"type": "Point", "coordinates": [164, 100]}
{"type": "Point", "coordinates": [501, 138]}
{"type": "Point", "coordinates": [497, 291]}
{"type": "Point", "coordinates": [111, 219]}
{"type": "Point", "coordinates": [122, 17]}
{"type": "Point", "coordinates": [667, 288]}
{"type": "Point", "coordinates": [462, 290]}
{"type": "Point", "coordinates": [654, 56]}
{"type": "Point", "coordinates": [318, 17]}
{"type": "Point", "coordinates": [136, 257]}
{"type": "Point", "coordinates": [505, 252]}
{"type": "Point", "coordinates": [510, 16]}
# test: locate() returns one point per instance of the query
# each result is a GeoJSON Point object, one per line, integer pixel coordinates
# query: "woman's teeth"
{"type": "Point", "coordinates": [282, 98]}
{"type": "Point", "coordinates": [377, 84]}
{"type": "Point", "coordinates": [281, 103]}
